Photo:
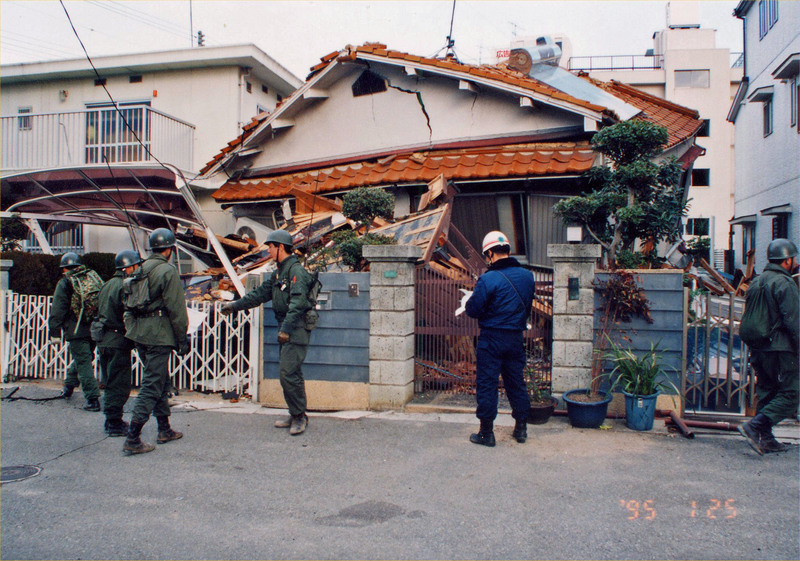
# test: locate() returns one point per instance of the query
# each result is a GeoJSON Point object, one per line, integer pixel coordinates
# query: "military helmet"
{"type": "Point", "coordinates": [126, 258]}
{"type": "Point", "coordinates": [162, 238]}
{"type": "Point", "coordinates": [280, 236]}
{"type": "Point", "coordinates": [780, 249]}
{"type": "Point", "coordinates": [70, 260]}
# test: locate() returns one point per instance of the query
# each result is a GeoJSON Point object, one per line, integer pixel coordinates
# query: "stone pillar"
{"type": "Point", "coordinates": [5, 266]}
{"type": "Point", "coordinates": [391, 324]}
{"type": "Point", "coordinates": [573, 314]}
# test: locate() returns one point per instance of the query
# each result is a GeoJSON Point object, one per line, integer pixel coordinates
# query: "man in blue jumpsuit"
{"type": "Point", "coordinates": [501, 303]}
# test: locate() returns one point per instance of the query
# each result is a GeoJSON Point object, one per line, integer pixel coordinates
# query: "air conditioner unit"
{"type": "Point", "coordinates": [249, 228]}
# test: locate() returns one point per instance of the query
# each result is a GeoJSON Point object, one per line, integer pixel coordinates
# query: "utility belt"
{"type": "Point", "coordinates": [158, 313]}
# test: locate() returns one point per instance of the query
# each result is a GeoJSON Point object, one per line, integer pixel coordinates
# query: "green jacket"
{"type": "Point", "coordinates": [110, 311]}
{"type": "Point", "coordinates": [287, 288]}
{"type": "Point", "coordinates": [61, 317]}
{"type": "Point", "coordinates": [165, 321]}
{"type": "Point", "coordinates": [784, 307]}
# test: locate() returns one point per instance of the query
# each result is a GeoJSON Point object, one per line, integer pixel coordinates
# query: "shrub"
{"type": "Point", "coordinates": [364, 204]}
{"type": "Point", "coordinates": [351, 248]}
{"type": "Point", "coordinates": [38, 274]}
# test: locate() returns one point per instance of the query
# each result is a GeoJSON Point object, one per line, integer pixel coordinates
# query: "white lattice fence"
{"type": "Point", "coordinates": [224, 352]}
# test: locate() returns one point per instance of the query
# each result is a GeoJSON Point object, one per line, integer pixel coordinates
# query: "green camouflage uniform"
{"type": "Point", "coordinates": [156, 332]}
{"type": "Point", "coordinates": [114, 351]}
{"type": "Point", "coordinates": [776, 366]}
{"type": "Point", "coordinates": [81, 347]}
{"type": "Point", "coordinates": [288, 288]}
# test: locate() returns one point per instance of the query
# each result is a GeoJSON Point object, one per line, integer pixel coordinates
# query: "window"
{"type": "Point", "coordinates": [249, 87]}
{"type": "Point", "coordinates": [264, 89]}
{"type": "Point", "coordinates": [705, 129]}
{"type": "Point", "coordinates": [748, 240]}
{"type": "Point", "coordinates": [692, 78]}
{"type": "Point", "coordinates": [773, 12]}
{"type": "Point", "coordinates": [697, 226]}
{"type": "Point", "coordinates": [135, 79]}
{"type": "Point", "coordinates": [793, 100]}
{"type": "Point", "coordinates": [768, 117]}
{"type": "Point", "coordinates": [25, 123]}
{"type": "Point", "coordinates": [780, 226]}
{"type": "Point", "coordinates": [767, 16]}
{"type": "Point", "coordinates": [108, 139]}
{"type": "Point", "coordinates": [701, 177]}
{"type": "Point", "coordinates": [100, 82]}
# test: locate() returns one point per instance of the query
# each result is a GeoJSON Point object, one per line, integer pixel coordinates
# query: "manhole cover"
{"type": "Point", "coordinates": [18, 473]}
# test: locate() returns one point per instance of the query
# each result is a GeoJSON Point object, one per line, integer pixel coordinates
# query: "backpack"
{"type": "Point", "coordinates": [755, 329]}
{"type": "Point", "coordinates": [86, 285]}
{"type": "Point", "coordinates": [136, 292]}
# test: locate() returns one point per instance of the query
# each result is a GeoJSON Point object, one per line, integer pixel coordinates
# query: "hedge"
{"type": "Point", "coordinates": [38, 274]}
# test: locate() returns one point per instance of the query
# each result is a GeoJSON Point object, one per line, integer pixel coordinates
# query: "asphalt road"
{"type": "Point", "coordinates": [362, 485]}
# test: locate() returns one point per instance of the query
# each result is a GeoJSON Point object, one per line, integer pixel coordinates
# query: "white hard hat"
{"type": "Point", "coordinates": [493, 239]}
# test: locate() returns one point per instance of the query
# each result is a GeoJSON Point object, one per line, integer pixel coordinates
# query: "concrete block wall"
{"type": "Point", "coordinates": [391, 340]}
{"type": "Point", "coordinates": [572, 319]}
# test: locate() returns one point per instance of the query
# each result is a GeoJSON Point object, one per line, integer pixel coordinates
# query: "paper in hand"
{"type": "Point", "coordinates": [462, 306]}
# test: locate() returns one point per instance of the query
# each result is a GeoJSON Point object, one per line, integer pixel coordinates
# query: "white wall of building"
{"type": "Point", "coordinates": [767, 167]}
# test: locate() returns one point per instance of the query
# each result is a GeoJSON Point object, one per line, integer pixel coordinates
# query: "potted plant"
{"type": "Point", "coordinates": [623, 299]}
{"type": "Point", "coordinates": [542, 402]}
{"type": "Point", "coordinates": [641, 380]}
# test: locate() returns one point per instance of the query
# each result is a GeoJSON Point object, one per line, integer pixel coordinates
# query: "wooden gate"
{"type": "Point", "coordinates": [445, 343]}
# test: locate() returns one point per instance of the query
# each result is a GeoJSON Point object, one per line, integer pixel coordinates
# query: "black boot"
{"type": "Point", "coordinates": [520, 431]}
{"type": "Point", "coordinates": [66, 391]}
{"type": "Point", "coordinates": [485, 436]}
{"type": "Point", "coordinates": [165, 432]}
{"type": "Point", "coordinates": [133, 443]}
{"type": "Point", "coordinates": [116, 427]}
{"type": "Point", "coordinates": [755, 430]}
{"type": "Point", "coordinates": [92, 405]}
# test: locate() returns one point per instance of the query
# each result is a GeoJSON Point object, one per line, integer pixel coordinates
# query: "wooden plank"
{"type": "Point", "coordinates": [717, 277]}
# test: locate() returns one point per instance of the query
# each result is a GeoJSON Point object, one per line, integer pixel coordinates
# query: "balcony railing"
{"type": "Point", "coordinates": [615, 62]}
{"type": "Point", "coordinates": [630, 62]}
{"type": "Point", "coordinates": [95, 136]}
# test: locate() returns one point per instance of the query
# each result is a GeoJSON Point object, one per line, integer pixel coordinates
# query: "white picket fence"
{"type": "Point", "coordinates": [223, 357]}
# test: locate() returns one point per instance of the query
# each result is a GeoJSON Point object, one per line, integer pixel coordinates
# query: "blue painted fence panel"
{"type": "Point", "coordinates": [339, 349]}
{"type": "Point", "coordinates": [665, 294]}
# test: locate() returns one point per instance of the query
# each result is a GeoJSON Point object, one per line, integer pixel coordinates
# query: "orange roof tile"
{"type": "Point", "coordinates": [498, 162]}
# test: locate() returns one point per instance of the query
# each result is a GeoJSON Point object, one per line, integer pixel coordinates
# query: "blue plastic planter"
{"type": "Point", "coordinates": [640, 410]}
{"type": "Point", "coordinates": [586, 415]}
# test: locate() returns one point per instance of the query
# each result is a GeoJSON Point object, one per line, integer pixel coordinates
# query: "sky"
{"type": "Point", "coordinates": [297, 33]}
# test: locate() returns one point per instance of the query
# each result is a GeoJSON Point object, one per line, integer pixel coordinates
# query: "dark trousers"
{"type": "Point", "coordinates": [501, 352]}
{"type": "Point", "coordinates": [777, 384]}
{"type": "Point", "coordinates": [80, 371]}
{"type": "Point", "coordinates": [116, 368]}
{"type": "Point", "coordinates": [152, 398]}
{"type": "Point", "coordinates": [292, 355]}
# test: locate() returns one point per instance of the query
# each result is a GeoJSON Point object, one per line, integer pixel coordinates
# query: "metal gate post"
{"type": "Point", "coordinates": [256, 358]}
{"type": "Point", "coordinates": [5, 341]}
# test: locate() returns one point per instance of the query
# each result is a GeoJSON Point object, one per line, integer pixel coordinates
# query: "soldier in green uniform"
{"type": "Point", "coordinates": [776, 366]}
{"type": "Point", "coordinates": [81, 347]}
{"type": "Point", "coordinates": [288, 289]}
{"type": "Point", "coordinates": [114, 349]}
{"type": "Point", "coordinates": [157, 326]}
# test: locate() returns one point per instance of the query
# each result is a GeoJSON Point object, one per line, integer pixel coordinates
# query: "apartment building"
{"type": "Point", "coordinates": [687, 67]}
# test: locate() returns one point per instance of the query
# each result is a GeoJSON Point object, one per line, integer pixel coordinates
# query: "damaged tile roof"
{"type": "Point", "coordinates": [681, 122]}
{"type": "Point", "coordinates": [518, 160]}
